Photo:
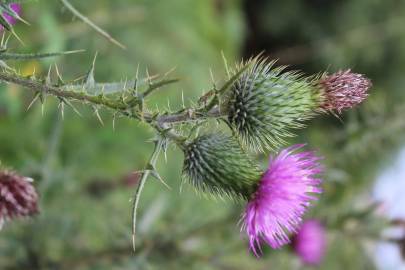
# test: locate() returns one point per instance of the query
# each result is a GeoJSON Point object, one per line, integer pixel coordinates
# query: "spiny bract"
{"type": "Point", "coordinates": [265, 103]}
{"type": "Point", "coordinates": [217, 164]}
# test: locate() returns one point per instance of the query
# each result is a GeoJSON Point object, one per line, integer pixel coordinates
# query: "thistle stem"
{"type": "Point", "coordinates": [186, 115]}
{"type": "Point", "coordinates": [87, 21]}
{"type": "Point", "coordinates": [145, 175]}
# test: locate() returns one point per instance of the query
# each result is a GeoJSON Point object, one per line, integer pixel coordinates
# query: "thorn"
{"type": "Point", "coordinates": [73, 107]}
{"type": "Point", "coordinates": [170, 71]}
{"type": "Point", "coordinates": [98, 116]}
{"type": "Point", "coordinates": [125, 84]}
{"type": "Point", "coordinates": [74, 51]}
{"type": "Point", "coordinates": [113, 121]}
{"type": "Point", "coordinates": [226, 64]}
{"type": "Point", "coordinates": [90, 81]}
{"type": "Point", "coordinates": [37, 94]}
{"type": "Point", "coordinates": [136, 80]}
{"type": "Point", "coordinates": [61, 106]}
{"type": "Point", "coordinates": [155, 174]}
{"type": "Point", "coordinates": [182, 99]}
{"type": "Point", "coordinates": [48, 77]}
{"type": "Point", "coordinates": [60, 80]}
{"type": "Point", "coordinates": [17, 37]}
{"type": "Point", "coordinates": [7, 40]}
{"type": "Point", "coordinates": [212, 78]}
{"type": "Point", "coordinates": [148, 78]}
{"type": "Point", "coordinates": [2, 39]}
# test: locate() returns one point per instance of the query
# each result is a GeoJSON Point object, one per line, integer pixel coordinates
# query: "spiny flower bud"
{"type": "Point", "coordinates": [265, 103]}
{"type": "Point", "coordinates": [343, 90]}
{"type": "Point", "coordinates": [217, 164]}
{"type": "Point", "coordinates": [18, 197]}
{"type": "Point", "coordinates": [10, 19]}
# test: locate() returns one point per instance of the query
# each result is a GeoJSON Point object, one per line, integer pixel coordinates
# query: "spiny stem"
{"type": "Point", "coordinates": [58, 92]}
{"type": "Point", "coordinates": [161, 123]}
{"type": "Point", "coordinates": [185, 115]}
{"type": "Point", "coordinates": [27, 56]}
{"type": "Point", "coordinates": [152, 161]}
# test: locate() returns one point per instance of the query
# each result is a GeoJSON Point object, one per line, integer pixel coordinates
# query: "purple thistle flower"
{"type": "Point", "coordinates": [344, 90]}
{"type": "Point", "coordinates": [18, 197]}
{"type": "Point", "coordinates": [310, 242]}
{"type": "Point", "coordinates": [282, 197]}
{"type": "Point", "coordinates": [10, 19]}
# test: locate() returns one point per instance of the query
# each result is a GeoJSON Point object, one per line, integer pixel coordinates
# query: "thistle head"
{"type": "Point", "coordinates": [217, 164]}
{"type": "Point", "coordinates": [265, 103]}
{"type": "Point", "coordinates": [282, 196]}
{"type": "Point", "coordinates": [10, 19]}
{"type": "Point", "coordinates": [18, 197]}
{"type": "Point", "coordinates": [310, 242]}
{"type": "Point", "coordinates": [343, 90]}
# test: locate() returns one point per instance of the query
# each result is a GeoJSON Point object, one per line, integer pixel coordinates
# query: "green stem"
{"type": "Point", "coordinates": [56, 91]}
{"type": "Point", "coordinates": [145, 175]}
{"type": "Point", "coordinates": [87, 21]}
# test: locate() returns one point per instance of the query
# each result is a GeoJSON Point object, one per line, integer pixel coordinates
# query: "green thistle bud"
{"type": "Point", "coordinates": [265, 103]}
{"type": "Point", "coordinates": [217, 164]}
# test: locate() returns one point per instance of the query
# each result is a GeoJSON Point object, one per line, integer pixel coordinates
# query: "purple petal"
{"type": "Point", "coordinates": [282, 197]}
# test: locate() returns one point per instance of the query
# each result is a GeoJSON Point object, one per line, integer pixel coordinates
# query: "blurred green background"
{"type": "Point", "coordinates": [84, 171]}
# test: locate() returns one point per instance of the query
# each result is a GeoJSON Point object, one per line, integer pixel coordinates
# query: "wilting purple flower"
{"type": "Point", "coordinates": [18, 197]}
{"type": "Point", "coordinates": [10, 19]}
{"type": "Point", "coordinates": [310, 242]}
{"type": "Point", "coordinates": [343, 90]}
{"type": "Point", "coordinates": [282, 197]}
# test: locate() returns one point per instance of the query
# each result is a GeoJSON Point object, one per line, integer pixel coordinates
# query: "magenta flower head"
{"type": "Point", "coordinates": [343, 90]}
{"type": "Point", "coordinates": [282, 196]}
{"type": "Point", "coordinates": [11, 19]}
{"type": "Point", "coordinates": [310, 242]}
{"type": "Point", "coordinates": [18, 197]}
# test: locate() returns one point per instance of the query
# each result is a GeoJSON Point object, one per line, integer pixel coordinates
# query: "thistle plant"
{"type": "Point", "coordinates": [262, 105]}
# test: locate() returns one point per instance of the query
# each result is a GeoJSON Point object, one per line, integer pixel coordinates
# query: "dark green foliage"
{"type": "Point", "coordinates": [217, 164]}
{"type": "Point", "coordinates": [266, 103]}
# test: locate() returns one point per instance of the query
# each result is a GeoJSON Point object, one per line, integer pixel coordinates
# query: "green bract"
{"type": "Point", "coordinates": [217, 164]}
{"type": "Point", "coordinates": [265, 103]}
